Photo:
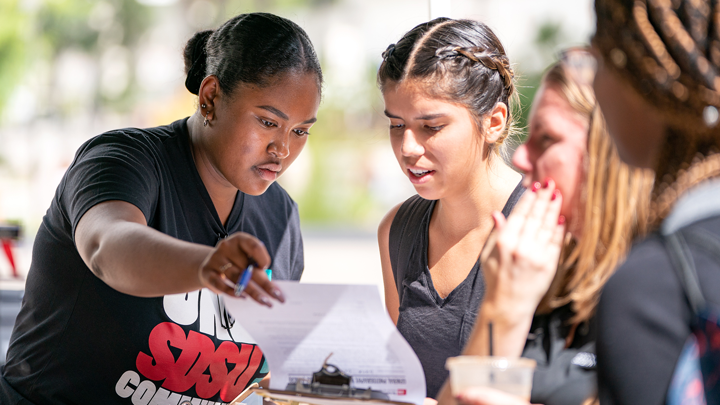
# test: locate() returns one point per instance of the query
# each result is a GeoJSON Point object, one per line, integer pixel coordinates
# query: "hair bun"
{"type": "Point", "coordinates": [388, 51]}
{"type": "Point", "coordinates": [196, 60]}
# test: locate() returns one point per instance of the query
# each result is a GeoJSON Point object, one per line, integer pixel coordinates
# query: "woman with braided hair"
{"type": "Point", "coordinates": [658, 82]}
{"type": "Point", "coordinates": [448, 87]}
{"type": "Point", "coordinates": [149, 228]}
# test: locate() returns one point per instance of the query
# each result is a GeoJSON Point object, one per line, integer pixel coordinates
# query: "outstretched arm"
{"type": "Point", "coordinates": [115, 242]}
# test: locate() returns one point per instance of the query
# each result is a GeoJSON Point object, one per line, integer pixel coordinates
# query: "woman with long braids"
{"type": "Point", "coordinates": [150, 227]}
{"type": "Point", "coordinates": [658, 82]}
{"type": "Point", "coordinates": [447, 86]}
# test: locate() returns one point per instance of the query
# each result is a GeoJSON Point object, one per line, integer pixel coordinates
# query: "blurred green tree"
{"type": "Point", "coordinates": [549, 36]}
{"type": "Point", "coordinates": [15, 32]}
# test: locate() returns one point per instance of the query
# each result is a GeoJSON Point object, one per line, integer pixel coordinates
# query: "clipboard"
{"type": "Point", "coordinates": [317, 319]}
{"type": "Point", "coordinates": [295, 398]}
{"type": "Point", "coordinates": [329, 386]}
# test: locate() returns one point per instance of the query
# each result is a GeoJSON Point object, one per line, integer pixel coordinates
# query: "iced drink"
{"type": "Point", "coordinates": [513, 376]}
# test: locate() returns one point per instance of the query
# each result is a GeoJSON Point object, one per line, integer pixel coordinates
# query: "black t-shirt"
{"type": "Point", "coordinates": [76, 340]}
{"type": "Point", "coordinates": [644, 320]}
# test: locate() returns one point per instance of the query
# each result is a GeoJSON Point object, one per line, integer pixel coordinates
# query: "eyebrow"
{"type": "Point", "coordinates": [426, 117]}
{"type": "Point", "coordinates": [274, 111]}
{"type": "Point", "coordinates": [283, 115]}
{"type": "Point", "coordinates": [387, 114]}
{"type": "Point", "coordinates": [429, 117]}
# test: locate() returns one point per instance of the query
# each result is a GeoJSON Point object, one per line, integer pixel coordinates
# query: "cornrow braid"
{"type": "Point", "coordinates": [490, 60]}
{"type": "Point", "coordinates": [670, 51]}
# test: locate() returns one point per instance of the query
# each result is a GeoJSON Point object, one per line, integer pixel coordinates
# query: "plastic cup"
{"type": "Point", "coordinates": [510, 375]}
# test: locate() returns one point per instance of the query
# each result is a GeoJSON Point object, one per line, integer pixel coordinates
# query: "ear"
{"type": "Point", "coordinates": [494, 123]}
{"type": "Point", "coordinates": [209, 95]}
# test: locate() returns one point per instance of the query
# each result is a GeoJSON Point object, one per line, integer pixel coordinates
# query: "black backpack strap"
{"type": "Point", "coordinates": [404, 230]}
{"type": "Point", "coordinates": [700, 203]}
{"type": "Point", "coordinates": [684, 266]}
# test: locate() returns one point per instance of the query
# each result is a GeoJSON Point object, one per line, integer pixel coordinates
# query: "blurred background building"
{"type": "Point", "coordinates": [71, 69]}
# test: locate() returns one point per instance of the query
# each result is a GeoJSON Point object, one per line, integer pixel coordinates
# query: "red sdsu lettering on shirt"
{"type": "Point", "coordinates": [181, 361]}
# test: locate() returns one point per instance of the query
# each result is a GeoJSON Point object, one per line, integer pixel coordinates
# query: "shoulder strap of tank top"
{"type": "Point", "coordinates": [513, 199]}
{"type": "Point", "coordinates": [403, 230]}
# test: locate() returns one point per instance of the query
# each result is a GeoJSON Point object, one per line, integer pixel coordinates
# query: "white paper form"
{"type": "Point", "coordinates": [346, 320]}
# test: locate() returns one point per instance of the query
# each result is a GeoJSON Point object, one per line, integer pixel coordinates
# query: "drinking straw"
{"type": "Point", "coordinates": [490, 338]}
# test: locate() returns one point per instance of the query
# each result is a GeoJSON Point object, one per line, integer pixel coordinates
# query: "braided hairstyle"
{"type": "Point", "coordinates": [461, 61]}
{"type": "Point", "coordinates": [249, 48]}
{"type": "Point", "coordinates": [669, 51]}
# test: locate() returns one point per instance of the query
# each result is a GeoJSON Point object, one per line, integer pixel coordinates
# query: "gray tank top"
{"type": "Point", "coordinates": [436, 328]}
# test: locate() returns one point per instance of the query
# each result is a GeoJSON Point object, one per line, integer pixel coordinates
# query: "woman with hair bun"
{"type": "Point", "coordinates": [149, 227]}
{"type": "Point", "coordinates": [447, 86]}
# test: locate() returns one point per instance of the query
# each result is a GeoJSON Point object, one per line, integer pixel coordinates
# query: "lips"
{"type": "Point", "coordinates": [269, 171]}
{"type": "Point", "coordinates": [419, 172]}
{"type": "Point", "coordinates": [419, 175]}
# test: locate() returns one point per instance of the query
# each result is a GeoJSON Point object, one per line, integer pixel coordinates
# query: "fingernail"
{"type": "Point", "coordinates": [278, 294]}
{"type": "Point", "coordinates": [266, 301]}
{"type": "Point", "coordinates": [546, 183]}
{"type": "Point", "coordinates": [561, 219]}
{"type": "Point", "coordinates": [555, 194]}
{"type": "Point", "coordinates": [536, 186]}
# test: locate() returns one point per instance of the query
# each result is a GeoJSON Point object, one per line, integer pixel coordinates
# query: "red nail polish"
{"type": "Point", "coordinates": [535, 186]}
{"type": "Point", "coordinates": [561, 219]}
{"type": "Point", "coordinates": [555, 194]}
{"type": "Point", "coordinates": [546, 183]}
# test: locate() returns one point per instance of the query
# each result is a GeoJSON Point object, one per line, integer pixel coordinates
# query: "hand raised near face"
{"type": "Point", "coordinates": [223, 267]}
{"type": "Point", "coordinates": [520, 259]}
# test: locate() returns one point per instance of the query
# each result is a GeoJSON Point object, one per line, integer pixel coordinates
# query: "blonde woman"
{"type": "Point", "coordinates": [539, 309]}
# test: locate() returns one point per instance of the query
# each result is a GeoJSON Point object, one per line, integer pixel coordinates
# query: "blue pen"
{"type": "Point", "coordinates": [244, 280]}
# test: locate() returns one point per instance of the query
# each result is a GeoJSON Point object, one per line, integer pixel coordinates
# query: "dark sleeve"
{"type": "Point", "coordinates": [643, 322]}
{"type": "Point", "coordinates": [112, 166]}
